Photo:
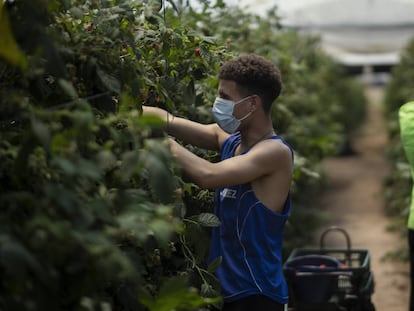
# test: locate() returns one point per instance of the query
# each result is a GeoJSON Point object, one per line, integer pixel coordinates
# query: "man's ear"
{"type": "Point", "coordinates": [256, 102]}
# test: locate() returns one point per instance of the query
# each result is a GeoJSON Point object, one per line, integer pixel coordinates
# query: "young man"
{"type": "Point", "coordinates": [406, 119]}
{"type": "Point", "coordinates": [252, 182]}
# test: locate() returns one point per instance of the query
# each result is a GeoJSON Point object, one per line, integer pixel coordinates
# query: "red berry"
{"type": "Point", "coordinates": [89, 27]}
{"type": "Point", "coordinates": [197, 52]}
{"type": "Point", "coordinates": [143, 96]}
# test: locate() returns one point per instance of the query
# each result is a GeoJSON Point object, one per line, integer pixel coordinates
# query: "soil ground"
{"type": "Point", "coordinates": [353, 200]}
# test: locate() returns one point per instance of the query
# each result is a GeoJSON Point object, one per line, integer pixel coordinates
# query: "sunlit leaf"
{"type": "Point", "coordinates": [126, 103]}
{"type": "Point", "coordinates": [151, 120]}
{"type": "Point", "coordinates": [172, 285]}
{"type": "Point", "coordinates": [145, 298]}
{"type": "Point", "coordinates": [208, 220]}
{"type": "Point", "coordinates": [59, 141]}
{"type": "Point", "coordinates": [162, 230]}
{"type": "Point", "coordinates": [8, 46]}
{"type": "Point", "coordinates": [175, 294]}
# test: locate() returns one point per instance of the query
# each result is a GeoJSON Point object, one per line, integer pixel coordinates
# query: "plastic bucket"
{"type": "Point", "coordinates": [317, 285]}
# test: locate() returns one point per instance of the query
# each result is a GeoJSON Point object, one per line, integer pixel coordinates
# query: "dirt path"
{"type": "Point", "coordinates": [353, 201]}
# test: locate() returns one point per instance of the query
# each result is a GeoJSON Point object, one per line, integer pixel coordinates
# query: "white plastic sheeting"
{"type": "Point", "coordinates": [352, 13]}
{"type": "Point", "coordinates": [355, 32]}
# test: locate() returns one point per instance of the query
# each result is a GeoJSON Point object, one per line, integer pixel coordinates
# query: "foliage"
{"type": "Point", "coordinates": [90, 208]}
{"type": "Point", "coordinates": [399, 89]}
{"type": "Point", "coordinates": [95, 215]}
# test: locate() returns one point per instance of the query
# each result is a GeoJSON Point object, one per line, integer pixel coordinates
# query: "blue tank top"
{"type": "Point", "coordinates": [249, 240]}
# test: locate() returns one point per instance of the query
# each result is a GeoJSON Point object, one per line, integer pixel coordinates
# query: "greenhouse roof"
{"type": "Point", "coordinates": [351, 13]}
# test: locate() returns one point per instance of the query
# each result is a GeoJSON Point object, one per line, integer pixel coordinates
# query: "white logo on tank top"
{"type": "Point", "coordinates": [228, 193]}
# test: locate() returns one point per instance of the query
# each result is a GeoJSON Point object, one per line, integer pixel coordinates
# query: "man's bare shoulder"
{"type": "Point", "coordinates": [272, 154]}
{"type": "Point", "coordinates": [274, 147]}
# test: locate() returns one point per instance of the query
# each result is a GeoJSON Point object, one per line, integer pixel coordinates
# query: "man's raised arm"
{"type": "Point", "coordinates": [206, 136]}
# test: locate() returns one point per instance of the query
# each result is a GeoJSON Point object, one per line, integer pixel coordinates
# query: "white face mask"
{"type": "Point", "coordinates": [223, 114]}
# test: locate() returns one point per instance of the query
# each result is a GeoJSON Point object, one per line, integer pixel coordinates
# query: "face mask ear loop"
{"type": "Point", "coordinates": [246, 116]}
{"type": "Point", "coordinates": [243, 99]}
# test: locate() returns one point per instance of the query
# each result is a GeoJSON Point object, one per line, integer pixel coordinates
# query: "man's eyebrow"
{"type": "Point", "coordinates": [223, 94]}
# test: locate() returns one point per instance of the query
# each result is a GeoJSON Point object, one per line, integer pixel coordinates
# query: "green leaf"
{"type": "Point", "coordinates": [212, 267]}
{"type": "Point", "coordinates": [160, 179]}
{"type": "Point", "coordinates": [109, 82]}
{"type": "Point", "coordinates": [129, 164]}
{"type": "Point", "coordinates": [156, 159]}
{"type": "Point", "coordinates": [145, 298]}
{"type": "Point", "coordinates": [21, 162]}
{"type": "Point", "coordinates": [210, 40]}
{"type": "Point", "coordinates": [207, 290]}
{"type": "Point", "coordinates": [151, 120]}
{"type": "Point", "coordinates": [162, 230]}
{"type": "Point", "coordinates": [8, 46]}
{"type": "Point", "coordinates": [126, 103]}
{"type": "Point", "coordinates": [59, 141]}
{"type": "Point", "coordinates": [175, 294]}
{"type": "Point", "coordinates": [68, 88]}
{"type": "Point", "coordinates": [106, 159]}
{"type": "Point", "coordinates": [189, 94]}
{"type": "Point", "coordinates": [173, 285]}
{"type": "Point", "coordinates": [208, 220]}
{"type": "Point", "coordinates": [17, 260]}
{"type": "Point", "coordinates": [135, 224]}
{"type": "Point", "coordinates": [76, 12]}
{"type": "Point", "coordinates": [88, 169]}
{"type": "Point", "coordinates": [67, 166]}
{"type": "Point", "coordinates": [41, 131]}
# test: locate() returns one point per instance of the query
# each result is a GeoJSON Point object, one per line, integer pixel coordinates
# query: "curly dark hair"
{"type": "Point", "coordinates": [254, 75]}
